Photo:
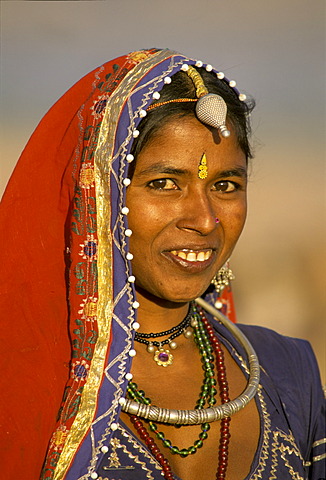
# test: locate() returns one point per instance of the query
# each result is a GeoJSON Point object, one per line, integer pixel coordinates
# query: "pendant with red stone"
{"type": "Point", "coordinates": [163, 357]}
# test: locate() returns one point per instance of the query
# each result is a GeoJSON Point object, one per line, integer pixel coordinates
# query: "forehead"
{"type": "Point", "coordinates": [183, 141]}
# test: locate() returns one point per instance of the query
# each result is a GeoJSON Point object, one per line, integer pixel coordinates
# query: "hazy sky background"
{"type": "Point", "coordinates": [275, 50]}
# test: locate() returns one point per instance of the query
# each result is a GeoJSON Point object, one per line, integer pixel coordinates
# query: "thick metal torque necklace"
{"type": "Point", "coordinates": [210, 414]}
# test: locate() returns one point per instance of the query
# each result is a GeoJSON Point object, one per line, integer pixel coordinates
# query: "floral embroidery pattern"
{"type": "Point", "coordinates": [89, 249]}
{"type": "Point", "coordinates": [86, 176]}
{"type": "Point", "coordinates": [79, 370]}
{"type": "Point", "coordinates": [58, 438]}
{"type": "Point", "coordinates": [99, 106]}
{"type": "Point", "coordinates": [88, 309]}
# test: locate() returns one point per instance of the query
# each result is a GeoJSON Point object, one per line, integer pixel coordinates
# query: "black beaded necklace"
{"type": "Point", "coordinates": [163, 356]}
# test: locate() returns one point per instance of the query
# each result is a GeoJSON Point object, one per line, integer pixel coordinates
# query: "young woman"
{"type": "Point", "coordinates": [124, 208]}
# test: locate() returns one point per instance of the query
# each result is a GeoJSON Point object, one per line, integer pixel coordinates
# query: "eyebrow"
{"type": "Point", "coordinates": [238, 171]}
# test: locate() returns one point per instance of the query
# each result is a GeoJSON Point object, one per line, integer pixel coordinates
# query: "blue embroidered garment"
{"type": "Point", "coordinates": [291, 405]}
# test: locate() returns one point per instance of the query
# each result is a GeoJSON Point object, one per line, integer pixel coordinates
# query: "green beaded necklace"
{"type": "Point", "coordinates": [206, 396]}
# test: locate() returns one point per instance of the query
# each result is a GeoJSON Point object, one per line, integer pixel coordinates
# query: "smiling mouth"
{"type": "Point", "coordinates": [192, 255]}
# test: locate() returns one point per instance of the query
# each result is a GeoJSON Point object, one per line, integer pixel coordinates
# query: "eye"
{"type": "Point", "coordinates": [163, 184]}
{"type": "Point", "coordinates": [226, 186]}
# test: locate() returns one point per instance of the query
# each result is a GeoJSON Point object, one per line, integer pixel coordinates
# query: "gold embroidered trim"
{"type": "Point", "coordinates": [317, 458]}
{"type": "Point", "coordinates": [319, 442]}
{"type": "Point", "coordinates": [88, 403]}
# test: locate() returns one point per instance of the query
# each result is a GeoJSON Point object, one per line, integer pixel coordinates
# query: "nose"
{"type": "Point", "coordinates": [198, 214]}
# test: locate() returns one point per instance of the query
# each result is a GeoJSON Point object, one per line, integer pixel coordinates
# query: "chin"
{"type": "Point", "coordinates": [174, 290]}
{"type": "Point", "coordinates": [181, 296]}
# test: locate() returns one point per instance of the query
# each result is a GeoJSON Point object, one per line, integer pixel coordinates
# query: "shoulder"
{"type": "Point", "coordinates": [289, 368]}
{"type": "Point", "coordinates": [274, 349]}
{"type": "Point", "coordinates": [289, 372]}
{"type": "Point", "coordinates": [290, 364]}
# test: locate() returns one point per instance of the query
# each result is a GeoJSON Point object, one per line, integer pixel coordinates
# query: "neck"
{"type": "Point", "coordinates": [155, 314]}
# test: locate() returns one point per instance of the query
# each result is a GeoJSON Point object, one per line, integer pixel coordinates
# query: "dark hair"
{"type": "Point", "coordinates": [183, 87]}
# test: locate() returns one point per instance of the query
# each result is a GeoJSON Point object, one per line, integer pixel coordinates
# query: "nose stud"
{"type": "Point", "coordinates": [217, 220]}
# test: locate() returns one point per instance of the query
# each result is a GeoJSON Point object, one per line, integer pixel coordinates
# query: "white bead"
{"type": "Point", "coordinates": [142, 113]}
{"type": "Point", "coordinates": [232, 83]}
{"type": "Point", "coordinates": [220, 75]}
{"type": "Point", "coordinates": [167, 80]}
{"type": "Point", "coordinates": [94, 475]}
{"type": "Point", "coordinates": [128, 232]}
{"type": "Point", "coordinates": [135, 133]}
{"type": "Point", "coordinates": [242, 97]}
{"type": "Point", "coordinates": [125, 210]}
{"type": "Point", "coordinates": [104, 449]}
{"type": "Point", "coordinates": [225, 133]}
{"type": "Point", "coordinates": [156, 95]}
{"type": "Point", "coordinates": [188, 333]}
{"type": "Point", "coordinates": [127, 182]}
{"type": "Point", "coordinates": [209, 68]}
{"type": "Point", "coordinates": [135, 304]}
{"type": "Point", "coordinates": [135, 326]}
{"type": "Point", "coordinates": [131, 279]}
{"type": "Point", "coordinates": [173, 345]}
{"type": "Point", "coordinates": [129, 256]}
{"type": "Point", "coordinates": [122, 401]}
{"type": "Point", "coordinates": [114, 426]}
{"type": "Point", "coordinates": [132, 353]}
{"type": "Point", "coordinates": [129, 376]}
{"type": "Point", "coordinates": [185, 67]}
{"type": "Point", "coordinates": [199, 63]}
{"type": "Point", "coordinates": [130, 157]}
{"type": "Point", "coordinates": [218, 304]}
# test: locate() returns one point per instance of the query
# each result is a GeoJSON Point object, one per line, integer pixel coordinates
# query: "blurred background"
{"type": "Point", "coordinates": [275, 51]}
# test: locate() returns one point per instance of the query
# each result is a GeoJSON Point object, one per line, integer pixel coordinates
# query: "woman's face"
{"type": "Point", "coordinates": [177, 244]}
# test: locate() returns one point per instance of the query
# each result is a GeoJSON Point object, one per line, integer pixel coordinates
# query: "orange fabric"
{"type": "Point", "coordinates": [35, 349]}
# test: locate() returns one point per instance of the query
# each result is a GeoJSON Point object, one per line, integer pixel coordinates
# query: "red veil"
{"type": "Point", "coordinates": [49, 240]}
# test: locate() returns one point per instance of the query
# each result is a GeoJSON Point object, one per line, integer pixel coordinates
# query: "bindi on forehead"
{"type": "Point", "coordinates": [202, 167]}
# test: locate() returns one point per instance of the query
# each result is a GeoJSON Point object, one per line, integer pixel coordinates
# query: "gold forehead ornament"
{"type": "Point", "coordinates": [211, 108]}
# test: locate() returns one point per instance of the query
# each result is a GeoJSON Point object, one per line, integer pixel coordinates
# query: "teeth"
{"type": "Point", "coordinates": [201, 256]}
{"type": "Point", "coordinates": [193, 256]}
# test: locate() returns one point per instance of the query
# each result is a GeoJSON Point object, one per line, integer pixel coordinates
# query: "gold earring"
{"type": "Point", "coordinates": [202, 167]}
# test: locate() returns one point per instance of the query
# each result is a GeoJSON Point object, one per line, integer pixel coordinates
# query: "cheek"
{"type": "Point", "coordinates": [233, 217]}
{"type": "Point", "coordinates": [143, 220]}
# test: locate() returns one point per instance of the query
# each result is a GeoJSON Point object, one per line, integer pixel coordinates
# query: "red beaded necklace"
{"type": "Point", "coordinates": [225, 422]}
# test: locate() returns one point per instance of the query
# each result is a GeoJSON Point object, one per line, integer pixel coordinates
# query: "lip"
{"type": "Point", "coordinates": [191, 266]}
